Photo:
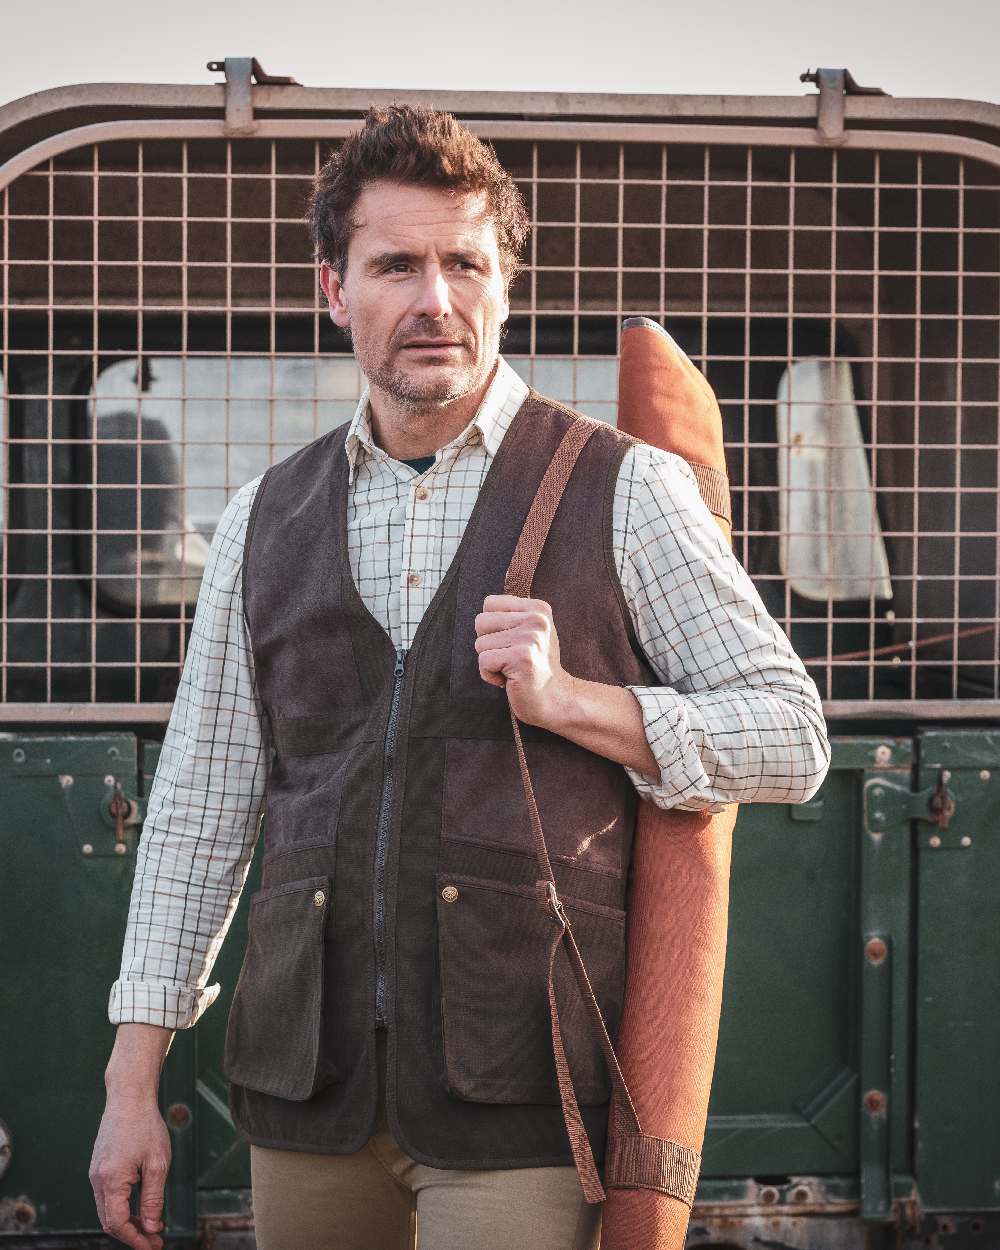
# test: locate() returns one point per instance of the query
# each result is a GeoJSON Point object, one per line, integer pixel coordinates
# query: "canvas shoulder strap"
{"type": "Point", "coordinates": [637, 1159]}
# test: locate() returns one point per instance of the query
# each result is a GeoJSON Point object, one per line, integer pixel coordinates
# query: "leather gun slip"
{"type": "Point", "coordinates": [678, 900]}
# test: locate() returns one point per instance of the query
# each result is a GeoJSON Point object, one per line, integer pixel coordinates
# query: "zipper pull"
{"type": "Point", "coordinates": [400, 656]}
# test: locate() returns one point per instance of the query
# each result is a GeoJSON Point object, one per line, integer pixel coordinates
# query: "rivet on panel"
{"type": "Point", "coordinates": [883, 753]}
{"type": "Point", "coordinates": [65, 780]}
{"type": "Point", "coordinates": [179, 1115]}
{"type": "Point", "coordinates": [966, 840]}
{"type": "Point", "coordinates": [984, 774]}
{"type": "Point", "coordinates": [934, 840]}
{"type": "Point", "coordinates": [24, 1212]}
{"type": "Point", "coordinates": [109, 780]}
{"type": "Point", "coordinates": [87, 848]}
{"type": "Point", "coordinates": [876, 950]}
{"type": "Point", "coordinates": [875, 1102]}
{"type": "Point", "coordinates": [18, 756]}
{"type": "Point", "coordinates": [769, 1195]}
{"type": "Point", "coordinates": [120, 848]}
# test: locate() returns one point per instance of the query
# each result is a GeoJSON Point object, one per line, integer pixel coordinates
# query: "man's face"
{"type": "Point", "coordinates": [423, 297]}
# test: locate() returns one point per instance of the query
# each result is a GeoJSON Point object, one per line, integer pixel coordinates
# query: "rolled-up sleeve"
{"type": "Point", "coordinates": [202, 815]}
{"type": "Point", "coordinates": [737, 719]}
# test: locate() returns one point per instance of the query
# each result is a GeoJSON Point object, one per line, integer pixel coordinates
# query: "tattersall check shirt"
{"type": "Point", "coordinates": [738, 718]}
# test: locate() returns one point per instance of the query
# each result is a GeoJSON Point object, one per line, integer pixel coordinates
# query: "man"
{"type": "Point", "coordinates": [350, 666]}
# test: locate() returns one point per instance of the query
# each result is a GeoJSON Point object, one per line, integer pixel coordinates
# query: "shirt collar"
{"type": "Point", "coordinates": [503, 397]}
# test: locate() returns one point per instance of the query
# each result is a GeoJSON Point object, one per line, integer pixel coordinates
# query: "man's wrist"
{"type": "Point", "coordinates": [604, 718]}
{"type": "Point", "coordinates": [133, 1071]}
{"type": "Point", "coordinates": [564, 713]}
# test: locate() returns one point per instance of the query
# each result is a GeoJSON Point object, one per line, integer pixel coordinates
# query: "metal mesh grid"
{"type": "Point", "coordinates": [161, 345]}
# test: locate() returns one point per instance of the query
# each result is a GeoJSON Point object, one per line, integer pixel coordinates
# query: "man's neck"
{"type": "Point", "coordinates": [406, 433]}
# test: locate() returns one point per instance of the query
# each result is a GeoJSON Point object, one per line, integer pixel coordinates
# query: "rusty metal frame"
{"type": "Point", "coordinates": [604, 132]}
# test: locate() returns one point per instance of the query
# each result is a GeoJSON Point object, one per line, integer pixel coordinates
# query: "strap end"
{"type": "Point", "coordinates": [639, 1161]}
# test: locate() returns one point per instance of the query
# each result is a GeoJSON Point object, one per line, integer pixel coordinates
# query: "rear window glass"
{"type": "Point", "coordinates": [172, 444]}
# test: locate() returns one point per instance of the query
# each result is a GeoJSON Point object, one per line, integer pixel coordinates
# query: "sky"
{"type": "Point", "coordinates": [907, 47]}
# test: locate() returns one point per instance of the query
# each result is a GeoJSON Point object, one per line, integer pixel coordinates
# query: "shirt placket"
{"type": "Point", "coordinates": [422, 542]}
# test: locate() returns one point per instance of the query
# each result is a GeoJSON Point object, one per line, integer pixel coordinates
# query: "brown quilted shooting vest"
{"type": "Point", "coordinates": [399, 872]}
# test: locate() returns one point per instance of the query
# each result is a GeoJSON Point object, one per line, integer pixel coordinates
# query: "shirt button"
{"type": "Point", "coordinates": [319, 898]}
{"type": "Point", "coordinates": [449, 893]}
{"type": "Point", "coordinates": [422, 492]}
{"type": "Point", "coordinates": [413, 579]}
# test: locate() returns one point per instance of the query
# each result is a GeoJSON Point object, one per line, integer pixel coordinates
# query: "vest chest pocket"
{"type": "Point", "coordinates": [275, 1022]}
{"type": "Point", "coordinates": [493, 945]}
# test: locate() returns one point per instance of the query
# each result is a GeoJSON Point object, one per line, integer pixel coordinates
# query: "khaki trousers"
{"type": "Point", "coordinates": [382, 1199]}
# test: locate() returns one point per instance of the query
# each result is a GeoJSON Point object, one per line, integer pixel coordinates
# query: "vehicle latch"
{"type": "Point", "coordinates": [834, 85]}
{"type": "Point", "coordinates": [241, 72]}
{"type": "Point", "coordinates": [888, 803]}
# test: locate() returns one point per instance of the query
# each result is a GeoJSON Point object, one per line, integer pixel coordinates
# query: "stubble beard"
{"type": "Point", "coordinates": [437, 388]}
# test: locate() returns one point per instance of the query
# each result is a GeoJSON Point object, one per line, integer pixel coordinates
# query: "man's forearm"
{"type": "Point", "coordinates": [133, 1071]}
{"type": "Point", "coordinates": [606, 720]}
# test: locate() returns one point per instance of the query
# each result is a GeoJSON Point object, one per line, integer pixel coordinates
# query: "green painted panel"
{"type": "Point", "coordinates": [957, 1093]}
{"type": "Point", "coordinates": [62, 922]}
{"type": "Point", "coordinates": [860, 752]}
{"type": "Point", "coordinates": [785, 1096]}
{"type": "Point", "coordinates": [192, 1075]}
{"type": "Point", "coordinates": [223, 1156]}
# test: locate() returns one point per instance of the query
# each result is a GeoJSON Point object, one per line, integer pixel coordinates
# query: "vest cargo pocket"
{"type": "Point", "coordinates": [493, 947]}
{"type": "Point", "coordinates": [273, 1034]}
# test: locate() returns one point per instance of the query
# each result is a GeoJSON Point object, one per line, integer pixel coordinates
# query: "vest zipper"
{"type": "Point", "coordinates": [382, 836]}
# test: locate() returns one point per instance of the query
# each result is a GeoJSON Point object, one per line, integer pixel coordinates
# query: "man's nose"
{"type": "Point", "coordinates": [434, 297]}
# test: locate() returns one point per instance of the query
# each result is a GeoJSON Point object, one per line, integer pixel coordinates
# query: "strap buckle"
{"type": "Point", "coordinates": [554, 905]}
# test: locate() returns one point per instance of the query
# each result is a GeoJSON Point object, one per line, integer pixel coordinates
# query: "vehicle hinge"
{"type": "Point", "coordinates": [241, 72]}
{"type": "Point", "coordinates": [889, 803]}
{"type": "Point", "coordinates": [834, 86]}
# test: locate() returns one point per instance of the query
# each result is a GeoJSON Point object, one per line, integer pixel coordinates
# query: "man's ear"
{"type": "Point", "coordinates": [333, 289]}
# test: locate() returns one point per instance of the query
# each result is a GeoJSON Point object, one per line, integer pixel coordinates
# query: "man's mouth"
{"type": "Point", "coordinates": [430, 345]}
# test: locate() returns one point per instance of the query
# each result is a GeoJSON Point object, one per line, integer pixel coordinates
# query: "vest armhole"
{"type": "Point", "coordinates": [628, 443]}
{"type": "Point", "coordinates": [247, 539]}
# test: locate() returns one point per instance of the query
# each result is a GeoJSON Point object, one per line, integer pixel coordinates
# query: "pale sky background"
{"type": "Point", "coordinates": [908, 47]}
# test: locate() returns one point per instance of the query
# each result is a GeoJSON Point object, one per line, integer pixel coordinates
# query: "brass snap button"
{"type": "Point", "coordinates": [422, 493]}
{"type": "Point", "coordinates": [449, 893]}
{"type": "Point", "coordinates": [414, 579]}
{"type": "Point", "coordinates": [319, 898]}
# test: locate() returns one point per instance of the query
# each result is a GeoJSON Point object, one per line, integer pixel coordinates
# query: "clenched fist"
{"type": "Point", "coordinates": [519, 649]}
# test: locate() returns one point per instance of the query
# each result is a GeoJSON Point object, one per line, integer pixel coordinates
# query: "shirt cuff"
{"type": "Point", "coordinates": [152, 1002]}
{"type": "Point", "coordinates": [682, 782]}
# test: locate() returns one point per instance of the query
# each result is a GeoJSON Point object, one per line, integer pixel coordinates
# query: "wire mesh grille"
{"type": "Point", "coordinates": [163, 343]}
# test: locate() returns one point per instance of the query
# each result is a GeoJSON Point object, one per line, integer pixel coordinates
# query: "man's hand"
{"type": "Point", "coordinates": [519, 649]}
{"type": "Point", "coordinates": [133, 1143]}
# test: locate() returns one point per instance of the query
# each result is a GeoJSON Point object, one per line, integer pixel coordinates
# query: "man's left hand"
{"type": "Point", "coordinates": [519, 649]}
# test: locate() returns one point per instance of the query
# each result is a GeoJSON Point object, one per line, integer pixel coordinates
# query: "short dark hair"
{"type": "Point", "coordinates": [406, 144]}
